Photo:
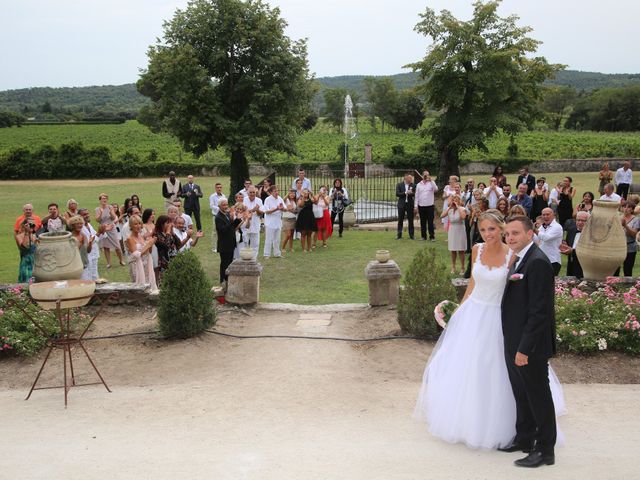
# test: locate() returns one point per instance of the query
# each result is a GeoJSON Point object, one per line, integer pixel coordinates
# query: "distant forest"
{"type": "Point", "coordinates": [123, 101]}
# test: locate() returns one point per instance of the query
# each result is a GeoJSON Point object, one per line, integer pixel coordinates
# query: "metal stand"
{"type": "Point", "coordinates": [66, 341]}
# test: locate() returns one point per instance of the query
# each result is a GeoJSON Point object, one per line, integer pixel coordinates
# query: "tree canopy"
{"type": "Point", "coordinates": [479, 74]}
{"type": "Point", "coordinates": [334, 99]}
{"type": "Point", "coordinates": [227, 75]}
{"type": "Point", "coordinates": [609, 109]}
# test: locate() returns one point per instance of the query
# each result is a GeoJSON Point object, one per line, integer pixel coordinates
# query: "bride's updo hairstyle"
{"type": "Point", "coordinates": [493, 215]}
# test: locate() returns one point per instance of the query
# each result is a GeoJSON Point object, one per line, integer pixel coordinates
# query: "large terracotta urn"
{"type": "Point", "coordinates": [57, 258]}
{"type": "Point", "coordinates": [602, 246]}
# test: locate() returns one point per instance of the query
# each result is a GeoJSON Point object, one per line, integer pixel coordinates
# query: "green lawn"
{"type": "Point", "coordinates": [332, 275]}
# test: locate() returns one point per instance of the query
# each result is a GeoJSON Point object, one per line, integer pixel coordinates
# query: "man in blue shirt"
{"type": "Point", "coordinates": [523, 199]}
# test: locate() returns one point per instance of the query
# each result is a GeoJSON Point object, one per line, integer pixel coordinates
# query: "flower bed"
{"type": "Point", "coordinates": [18, 334]}
{"type": "Point", "coordinates": [605, 319]}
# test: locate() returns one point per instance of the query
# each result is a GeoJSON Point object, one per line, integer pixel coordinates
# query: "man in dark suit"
{"type": "Point", "coordinates": [568, 247]}
{"type": "Point", "coordinates": [226, 225]}
{"type": "Point", "coordinates": [405, 191]}
{"type": "Point", "coordinates": [526, 178]}
{"type": "Point", "coordinates": [528, 325]}
{"type": "Point", "coordinates": [192, 194]}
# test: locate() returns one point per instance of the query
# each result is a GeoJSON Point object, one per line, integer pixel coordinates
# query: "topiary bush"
{"type": "Point", "coordinates": [426, 283]}
{"type": "Point", "coordinates": [185, 306]}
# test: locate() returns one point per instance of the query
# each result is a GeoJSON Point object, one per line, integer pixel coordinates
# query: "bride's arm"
{"type": "Point", "coordinates": [471, 284]}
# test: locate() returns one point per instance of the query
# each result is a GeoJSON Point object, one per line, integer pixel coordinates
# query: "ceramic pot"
{"type": "Point", "coordinates": [246, 253]}
{"type": "Point", "coordinates": [57, 258]}
{"type": "Point", "coordinates": [47, 293]}
{"type": "Point", "coordinates": [349, 217]}
{"type": "Point", "coordinates": [602, 246]}
{"type": "Point", "coordinates": [383, 256]}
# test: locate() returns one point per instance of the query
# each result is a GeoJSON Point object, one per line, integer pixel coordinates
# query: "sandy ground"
{"type": "Point", "coordinates": [216, 407]}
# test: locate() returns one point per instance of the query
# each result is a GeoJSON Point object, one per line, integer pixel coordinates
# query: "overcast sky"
{"type": "Point", "coordinates": [103, 42]}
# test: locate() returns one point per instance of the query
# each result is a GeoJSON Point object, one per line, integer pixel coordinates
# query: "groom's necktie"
{"type": "Point", "coordinates": [513, 267]}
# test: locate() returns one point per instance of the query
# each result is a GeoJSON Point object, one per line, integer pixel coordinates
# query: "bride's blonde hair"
{"type": "Point", "coordinates": [494, 215]}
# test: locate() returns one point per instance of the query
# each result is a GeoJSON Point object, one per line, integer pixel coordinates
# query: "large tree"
{"type": "Point", "coordinates": [334, 99]}
{"type": "Point", "coordinates": [482, 78]}
{"type": "Point", "coordinates": [227, 76]}
{"type": "Point", "coordinates": [408, 113]}
{"type": "Point", "coordinates": [382, 96]}
{"type": "Point", "coordinates": [557, 102]}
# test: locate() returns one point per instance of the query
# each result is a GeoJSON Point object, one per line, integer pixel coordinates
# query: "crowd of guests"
{"type": "Point", "coordinates": [301, 213]}
{"type": "Point", "coordinates": [558, 222]}
{"type": "Point", "coordinates": [143, 243]}
{"type": "Point", "coordinates": [146, 242]}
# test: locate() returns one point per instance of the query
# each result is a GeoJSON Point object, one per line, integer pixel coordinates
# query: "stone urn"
{"type": "Point", "coordinates": [349, 217]}
{"type": "Point", "coordinates": [383, 256]}
{"type": "Point", "coordinates": [602, 246]}
{"type": "Point", "coordinates": [246, 253]}
{"type": "Point", "coordinates": [71, 293]}
{"type": "Point", "coordinates": [57, 258]}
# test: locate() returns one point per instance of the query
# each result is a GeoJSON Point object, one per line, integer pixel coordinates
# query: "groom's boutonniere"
{"type": "Point", "coordinates": [516, 277]}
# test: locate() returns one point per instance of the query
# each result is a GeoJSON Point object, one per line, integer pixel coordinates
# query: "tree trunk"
{"type": "Point", "coordinates": [239, 172]}
{"type": "Point", "coordinates": [448, 165]}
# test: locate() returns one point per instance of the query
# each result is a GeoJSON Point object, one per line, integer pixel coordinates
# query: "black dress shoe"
{"type": "Point", "coordinates": [517, 447]}
{"type": "Point", "coordinates": [536, 459]}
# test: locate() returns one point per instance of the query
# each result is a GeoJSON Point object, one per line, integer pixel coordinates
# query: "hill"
{"type": "Point", "coordinates": [113, 99]}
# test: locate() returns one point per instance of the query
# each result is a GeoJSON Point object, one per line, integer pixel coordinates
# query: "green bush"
{"type": "Point", "coordinates": [398, 150]}
{"type": "Point", "coordinates": [606, 319]}
{"type": "Point", "coordinates": [426, 283]}
{"type": "Point", "coordinates": [185, 306]}
{"type": "Point", "coordinates": [18, 334]}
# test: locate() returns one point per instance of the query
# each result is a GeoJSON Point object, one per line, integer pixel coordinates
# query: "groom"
{"type": "Point", "coordinates": [528, 325]}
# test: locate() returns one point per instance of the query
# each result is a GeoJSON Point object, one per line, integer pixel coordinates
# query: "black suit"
{"type": "Point", "coordinates": [226, 230]}
{"type": "Point", "coordinates": [192, 194]}
{"type": "Point", "coordinates": [528, 325]}
{"type": "Point", "coordinates": [573, 264]}
{"type": "Point", "coordinates": [531, 183]}
{"type": "Point", "coordinates": [405, 207]}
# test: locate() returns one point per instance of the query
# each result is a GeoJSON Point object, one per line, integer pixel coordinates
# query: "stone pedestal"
{"type": "Point", "coordinates": [384, 282]}
{"type": "Point", "coordinates": [243, 285]}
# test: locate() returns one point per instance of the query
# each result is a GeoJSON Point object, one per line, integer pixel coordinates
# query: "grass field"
{"type": "Point", "coordinates": [321, 143]}
{"type": "Point", "coordinates": [332, 275]}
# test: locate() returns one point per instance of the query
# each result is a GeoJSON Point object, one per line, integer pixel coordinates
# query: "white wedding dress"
{"type": "Point", "coordinates": [466, 396]}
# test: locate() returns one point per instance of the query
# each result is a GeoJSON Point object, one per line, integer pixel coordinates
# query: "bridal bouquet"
{"type": "Point", "coordinates": [443, 312]}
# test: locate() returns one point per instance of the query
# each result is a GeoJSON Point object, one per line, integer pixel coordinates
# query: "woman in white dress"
{"type": "Point", "coordinates": [457, 234]}
{"type": "Point", "coordinates": [466, 395]}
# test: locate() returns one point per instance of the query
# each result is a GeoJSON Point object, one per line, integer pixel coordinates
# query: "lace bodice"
{"type": "Point", "coordinates": [489, 282]}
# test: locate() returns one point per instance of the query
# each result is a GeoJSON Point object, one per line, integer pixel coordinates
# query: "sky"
{"type": "Point", "coordinates": [66, 43]}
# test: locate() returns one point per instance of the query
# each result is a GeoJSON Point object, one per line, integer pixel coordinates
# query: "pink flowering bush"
{"type": "Point", "coordinates": [606, 319]}
{"type": "Point", "coordinates": [18, 334]}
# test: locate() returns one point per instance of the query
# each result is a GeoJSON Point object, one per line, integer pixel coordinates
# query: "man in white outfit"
{"type": "Point", "coordinates": [273, 208]}
{"type": "Point", "coordinates": [623, 180]}
{"type": "Point", "coordinates": [214, 199]}
{"type": "Point", "coordinates": [493, 192]}
{"type": "Point", "coordinates": [609, 195]}
{"type": "Point", "coordinates": [90, 272]}
{"type": "Point", "coordinates": [255, 207]}
{"type": "Point", "coordinates": [549, 234]}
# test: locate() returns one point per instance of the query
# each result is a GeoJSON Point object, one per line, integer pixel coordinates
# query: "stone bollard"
{"type": "Point", "coordinates": [243, 285]}
{"type": "Point", "coordinates": [384, 282]}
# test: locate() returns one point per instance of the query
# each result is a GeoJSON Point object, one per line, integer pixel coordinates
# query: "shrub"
{"type": "Point", "coordinates": [398, 150]}
{"type": "Point", "coordinates": [185, 306]}
{"type": "Point", "coordinates": [426, 283]}
{"type": "Point", "coordinates": [606, 319]}
{"type": "Point", "coordinates": [18, 334]}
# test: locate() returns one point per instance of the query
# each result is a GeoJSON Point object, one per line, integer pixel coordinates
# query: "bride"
{"type": "Point", "coordinates": [466, 395]}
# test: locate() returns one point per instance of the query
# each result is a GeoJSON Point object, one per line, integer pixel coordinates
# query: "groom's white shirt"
{"type": "Point", "coordinates": [522, 253]}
